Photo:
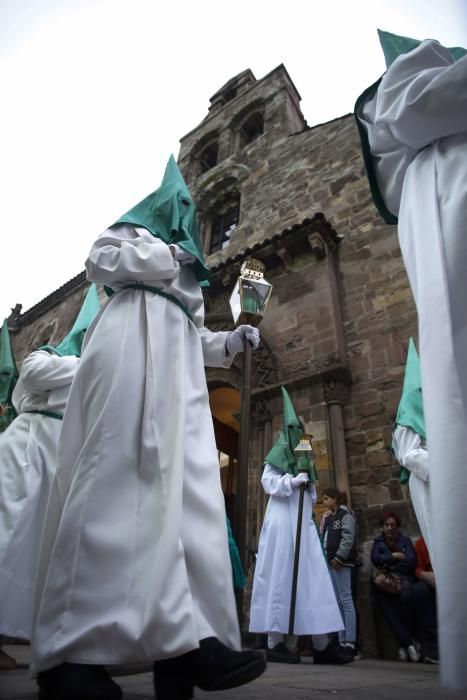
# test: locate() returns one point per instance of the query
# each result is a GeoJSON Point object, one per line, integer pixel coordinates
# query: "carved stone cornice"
{"type": "Point", "coordinates": [261, 413]}
{"type": "Point", "coordinates": [277, 250]}
{"type": "Point", "coordinates": [317, 245]}
{"type": "Point", "coordinates": [321, 372]}
{"type": "Point", "coordinates": [335, 391]}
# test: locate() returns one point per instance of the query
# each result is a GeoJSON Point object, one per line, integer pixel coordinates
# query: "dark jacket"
{"type": "Point", "coordinates": [381, 555]}
{"type": "Point", "coordinates": [339, 537]}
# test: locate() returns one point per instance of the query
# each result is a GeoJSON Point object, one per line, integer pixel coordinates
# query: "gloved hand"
{"type": "Point", "coordinates": [236, 339]}
{"type": "Point", "coordinates": [301, 478]}
{"type": "Point", "coordinates": [181, 255]}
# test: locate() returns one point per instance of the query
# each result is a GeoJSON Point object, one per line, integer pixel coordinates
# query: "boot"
{"type": "Point", "coordinates": [281, 654]}
{"type": "Point", "coordinates": [332, 654]}
{"type": "Point", "coordinates": [211, 667]}
{"type": "Point", "coordinates": [220, 668]}
{"type": "Point", "coordinates": [77, 682]}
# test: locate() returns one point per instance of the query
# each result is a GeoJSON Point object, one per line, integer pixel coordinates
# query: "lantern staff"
{"type": "Point", "coordinates": [248, 303]}
{"type": "Point", "coordinates": [305, 457]}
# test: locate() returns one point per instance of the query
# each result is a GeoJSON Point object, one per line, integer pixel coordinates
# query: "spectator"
{"type": "Point", "coordinates": [394, 553]}
{"type": "Point", "coordinates": [424, 601]}
{"type": "Point", "coordinates": [339, 544]}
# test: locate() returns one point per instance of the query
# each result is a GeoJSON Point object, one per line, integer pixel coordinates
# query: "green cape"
{"type": "Point", "coordinates": [8, 376]}
{"type": "Point", "coordinates": [237, 569]}
{"type": "Point", "coordinates": [393, 46]}
{"type": "Point", "coordinates": [71, 343]}
{"type": "Point", "coordinates": [282, 455]}
{"type": "Point", "coordinates": [169, 213]}
{"type": "Point", "coordinates": [410, 412]}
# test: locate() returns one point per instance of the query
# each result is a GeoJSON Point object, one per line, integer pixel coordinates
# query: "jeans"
{"type": "Point", "coordinates": [342, 582]}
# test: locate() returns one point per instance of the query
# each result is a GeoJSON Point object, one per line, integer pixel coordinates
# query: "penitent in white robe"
{"type": "Point", "coordinates": [417, 128]}
{"type": "Point", "coordinates": [316, 611]}
{"type": "Point", "coordinates": [28, 458]}
{"type": "Point", "coordinates": [139, 568]}
{"type": "Point", "coordinates": [411, 453]}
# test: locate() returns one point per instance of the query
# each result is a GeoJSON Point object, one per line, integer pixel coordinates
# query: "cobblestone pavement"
{"type": "Point", "coordinates": [367, 679]}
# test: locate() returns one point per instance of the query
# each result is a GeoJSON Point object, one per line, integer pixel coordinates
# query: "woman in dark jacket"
{"type": "Point", "coordinates": [395, 552]}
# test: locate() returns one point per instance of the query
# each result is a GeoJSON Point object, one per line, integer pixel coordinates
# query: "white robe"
{"type": "Point", "coordinates": [412, 454]}
{"type": "Point", "coordinates": [140, 566]}
{"type": "Point", "coordinates": [28, 456]}
{"type": "Point", "coordinates": [417, 127]}
{"type": "Point", "coordinates": [316, 611]}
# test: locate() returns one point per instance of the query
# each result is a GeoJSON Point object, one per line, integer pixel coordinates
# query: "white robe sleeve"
{"type": "Point", "coordinates": [276, 483]}
{"type": "Point", "coordinates": [423, 96]}
{"type": "Point", "coordinates": [214, 348]}
{"type": "Point", "coordinates": [121, 254]}
{"type": "Point", "coordinates": [41, 371]}
{"type": "Point", "coordinates": [410, 452]}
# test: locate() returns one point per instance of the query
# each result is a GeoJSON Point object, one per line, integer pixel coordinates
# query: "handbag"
{"type": "Point", "coordinates": [386, 581]}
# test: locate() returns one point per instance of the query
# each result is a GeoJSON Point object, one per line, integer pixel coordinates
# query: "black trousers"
{"type": "Point", "coordinates": [424, 604]}
{"type": "Point", "coordinates": [411, 611]}
{"type": "Point", "coordinates": [399, 613]}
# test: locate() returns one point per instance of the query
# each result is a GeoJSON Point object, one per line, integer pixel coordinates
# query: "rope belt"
{"type": "Point", "coordinates": [49, 414]}
{"type": "Point", "coordinates": [155, 290]}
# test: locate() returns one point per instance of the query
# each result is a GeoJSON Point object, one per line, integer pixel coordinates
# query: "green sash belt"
{"type": "Point", "coordinates": [49, 414]}
{"type": "Point", "coordinates": [155, 290]}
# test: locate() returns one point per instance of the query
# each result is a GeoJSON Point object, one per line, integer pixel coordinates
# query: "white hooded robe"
{"type": "Point", "coordinates": [417, 129]}
{"type": "Point", "coordinates": [316, 611]}
{"type": "Point", "coordinates": [28, 459]}
{"type": "Point", "coordinates": [139, 563]}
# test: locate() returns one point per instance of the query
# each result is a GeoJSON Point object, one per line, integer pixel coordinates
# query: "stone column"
{"type": "Point", "coordinates": [335, 393]}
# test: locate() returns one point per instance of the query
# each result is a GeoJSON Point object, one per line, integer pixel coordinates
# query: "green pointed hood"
{"type": "Point", "coordinates": [410, 412]}
{"type": "Point", "coordinates": [282, 455]}
{"type": "Point", "coordinates": [71, 343]}
{"type": "Point", "coordinates": [8, 377]}
{"type": "Point", "coordinates": [169, 213]}
{"type": "Point", "coordinates": [394, 45]}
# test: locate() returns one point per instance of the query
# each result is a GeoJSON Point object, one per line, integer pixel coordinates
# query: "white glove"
{"type": "Point", "coordinates": [181, 255]}
{"type": "Point", "coordinates": [301, 478]}
{"type": "Point", "coordinates": [236, 339]}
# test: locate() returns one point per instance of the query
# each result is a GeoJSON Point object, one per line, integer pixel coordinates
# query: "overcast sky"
{"type": "Point", "coordinates": [96, 94]}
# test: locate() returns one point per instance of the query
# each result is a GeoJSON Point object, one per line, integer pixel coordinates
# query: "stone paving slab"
{"type": "Point", "coordinates": [367, 679]}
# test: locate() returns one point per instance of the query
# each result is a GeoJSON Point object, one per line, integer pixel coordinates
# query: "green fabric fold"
{"type": "Point", "coordinates": [8, 377]}
{"type": "Point", "coordinates": [169, 213]}
{"type": "Point", "coordinates": [72, 342]}
{"type": "Point", "coordinates": [394, 45]}
{"type": "Point", "coordinates": [410, 412]}
{"type": "Point", "coordinates": [237, 569]}
{"type": "Point", "coordinates": [282, 455]}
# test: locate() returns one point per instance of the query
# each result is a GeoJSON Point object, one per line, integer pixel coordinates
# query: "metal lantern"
{"type": "Point", "coordinates": [251, 294]}
{"type": "Point", "coordinates": [304, 452]}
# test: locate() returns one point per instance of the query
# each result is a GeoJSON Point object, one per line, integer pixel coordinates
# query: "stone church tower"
{"type": "Point", "coordinates": [341, 313]}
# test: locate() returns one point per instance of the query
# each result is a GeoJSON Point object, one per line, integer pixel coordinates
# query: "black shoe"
{"type": "Point", "coordinates": [77, 682]}
{"type": "Point", "coordinates": [220, 668]}
{"type": "Point", "coordinates": [211, 667]}
{"type": "Point", "coordinates": [333, 655]}
{"type": "Point", "coordinates": [280, 654]}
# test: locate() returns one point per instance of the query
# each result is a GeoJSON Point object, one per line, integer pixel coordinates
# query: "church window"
{"type": "Point", "coordinates": [223, 223]}
{"type": "Point", "coordinates": [208, 158]}
{"type": "Point", "coordinates": [252, 128]}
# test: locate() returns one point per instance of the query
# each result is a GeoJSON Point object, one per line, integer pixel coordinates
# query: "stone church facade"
{"type": "Point", "coordinates": [341, 313]}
